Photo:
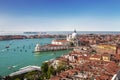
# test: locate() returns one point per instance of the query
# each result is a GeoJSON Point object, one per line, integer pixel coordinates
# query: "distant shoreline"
{"type": "Point", "coordinates": [56, 32]}
{"type": "Point", "coordinates": [52, 34]}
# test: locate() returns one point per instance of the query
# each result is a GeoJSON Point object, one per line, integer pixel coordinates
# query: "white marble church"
{"type": "Point", "coordinates": [73, 38]}
{"type": "Point", "coordinates": [60, 44]}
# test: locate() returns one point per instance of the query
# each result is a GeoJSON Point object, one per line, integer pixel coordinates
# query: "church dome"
{"type": "Point", "coordinates": [74, 35]}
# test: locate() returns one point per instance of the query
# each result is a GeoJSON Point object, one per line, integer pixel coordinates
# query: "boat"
{"type": "Point", "coordinates": [11, 67]}
{"type": "Point", "coordinates": [7, 46]}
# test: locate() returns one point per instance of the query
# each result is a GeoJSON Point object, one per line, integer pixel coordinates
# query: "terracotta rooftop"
{"type": "Point", "coordinates": [96, 56]}
{"type": "Point", "coordinates": [55, 78]}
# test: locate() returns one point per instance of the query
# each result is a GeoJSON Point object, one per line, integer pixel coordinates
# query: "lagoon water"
{"type": "Point", "coordinates": [20, 54]}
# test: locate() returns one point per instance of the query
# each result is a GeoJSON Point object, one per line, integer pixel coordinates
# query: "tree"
{"type": "Point", "coordinates": [61, 67]}
{"type": "Point", "coordinates": [17, 79]}
{"type": "Point", "coordinates": [51, 70]}
{"type": "Point", "coordinates": [48, 74]}
{"type": "Point", "coordinates": [47, 71]}
{"type": "Point", "coordinates": [44, 69]}
{"type": "Point", "coordinates": [31, 75]}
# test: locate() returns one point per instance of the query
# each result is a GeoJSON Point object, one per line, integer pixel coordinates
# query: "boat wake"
{"type": "Point", "coordinates": [3, 50]}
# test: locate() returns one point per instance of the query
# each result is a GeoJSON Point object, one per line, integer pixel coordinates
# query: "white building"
{"type": "Point", "coordinates": [50, 47]}
{"type": "Point", "coordinates": [116, 76]}
{"type": "Point", "coordinates": [60, 42]}
{"type": "Point", "coordinates": [72, 37]}
{"type": "Point", "coordinates": [37, 48]}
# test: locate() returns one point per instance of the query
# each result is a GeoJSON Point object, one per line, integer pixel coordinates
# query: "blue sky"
{"type": "Point", "coordinates": [59, 15]}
